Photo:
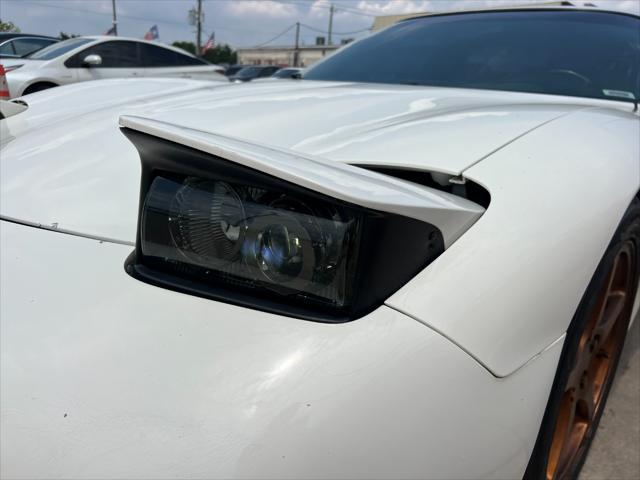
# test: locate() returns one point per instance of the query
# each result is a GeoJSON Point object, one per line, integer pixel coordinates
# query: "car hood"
{"type": "Point", "coordinates": [66, 164]}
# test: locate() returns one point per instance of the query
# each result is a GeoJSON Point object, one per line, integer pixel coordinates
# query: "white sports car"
{"type": "Point", "coordinates": [422, 271]}
{"type": "Point", "coordinates": [81, 59]}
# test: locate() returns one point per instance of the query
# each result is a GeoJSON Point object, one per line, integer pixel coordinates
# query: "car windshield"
{"type": "Point", "coordinates": [57, 49]}
{"type": "Point", "coordinates": [560, 52]}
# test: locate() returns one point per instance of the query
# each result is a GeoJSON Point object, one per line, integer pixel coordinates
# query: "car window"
{"type": "Point", "coordinates": [59, 48]}
{"type": "Point", "coordinates": [155, 56]}
{"type": "Point", "coordinates": [114, 54]}
{"type": "Point", "coordinates": [7, 49]}
{"type": "Point", "coordinates": [284, 73]}
{"type": "Point", "coordinates": [576, 53]}
{"type": "Point", "coordinates": [24, 46]}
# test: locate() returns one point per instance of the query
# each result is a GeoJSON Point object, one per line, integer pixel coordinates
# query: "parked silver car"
{"type": "Point", "coordinates": [93, 58]}
{"type": "Point", "coordinates": [16, 45]}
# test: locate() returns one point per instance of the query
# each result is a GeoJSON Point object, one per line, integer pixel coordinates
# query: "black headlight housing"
{"type": "Point", "coordinates": [216, 229]}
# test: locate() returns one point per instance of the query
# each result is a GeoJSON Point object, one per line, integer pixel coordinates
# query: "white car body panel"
{"type": "Point", "coordinates": [118, 378]}
{"type": "Point", "coordinates": [45, 170]}
{"type": "Point", "coordinates": [382, 122]}
{"type": "Point", "coordinates": [9, 109]}
{"type": "Point", "coordinates": [451, 214]}
{"type": "Point", "coordinates": [528, 243]}
{"type": "Point", "coordinates": [54, 71]}
{"type": "Point", "coordinates": [97, 73]}
{"type": "Point", "coordinates": [11, 62]}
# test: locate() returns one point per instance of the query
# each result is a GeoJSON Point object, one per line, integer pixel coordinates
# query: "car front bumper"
{"type": "Point", "coordinates": [105, 376]}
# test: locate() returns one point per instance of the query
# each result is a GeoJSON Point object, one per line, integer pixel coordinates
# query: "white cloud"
{"type": "Point", "coordinates": [632, 6]}
{"type": "Point", "coordinates": [261, 8]}
{"type": "Point", "coordinates": [392, 7]}
{"type": "Point", "coordinates": [319, 8]}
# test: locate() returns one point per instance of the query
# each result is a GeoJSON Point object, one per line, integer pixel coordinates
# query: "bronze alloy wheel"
{"type": "Point", "coordinates": [590, 355]}
{"type": "Point", "coordinates": [594, 361]}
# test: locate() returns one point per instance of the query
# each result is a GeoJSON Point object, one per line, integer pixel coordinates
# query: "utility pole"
{"type": "Point", "coordinates": [296, 51]}
{"type": "Point", "coordinates": [331, 10]}
{"type": "Point", "coordinates": [115, 21]}
{"type": "Point", "coordinates": [199, 29]}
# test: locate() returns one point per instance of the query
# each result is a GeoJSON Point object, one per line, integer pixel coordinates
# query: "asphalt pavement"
{"type": "Point", "coordinates": [615, 453]}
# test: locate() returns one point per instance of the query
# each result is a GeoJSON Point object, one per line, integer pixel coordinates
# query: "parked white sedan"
{"type": "Point", "coordinates": [94, 58]}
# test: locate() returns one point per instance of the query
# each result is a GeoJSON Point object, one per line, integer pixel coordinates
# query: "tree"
{"type": "Point", "coordinates": [8, 27]}
{"type": "Point", "coordinates": [65, 35]}
{"type": "Point", "coordinates": [186, 46]}
{"type": "Point", "coordinates": [219, 54]}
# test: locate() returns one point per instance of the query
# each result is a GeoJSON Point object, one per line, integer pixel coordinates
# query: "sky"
{"type": "Point", "coordinates": [240, 23]}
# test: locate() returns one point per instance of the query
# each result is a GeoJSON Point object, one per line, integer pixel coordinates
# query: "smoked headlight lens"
{"type": "Point", "coordinates": [220, 230]}
{"type": "Point", "coordinates": [252, 237]}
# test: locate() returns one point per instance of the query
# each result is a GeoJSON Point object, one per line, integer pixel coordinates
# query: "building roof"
{"type": "Point", "coordinates": [288, 48]}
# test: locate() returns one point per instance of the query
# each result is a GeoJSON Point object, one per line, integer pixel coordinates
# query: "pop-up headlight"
{"type": "Point", "coordinates": [218, 229]}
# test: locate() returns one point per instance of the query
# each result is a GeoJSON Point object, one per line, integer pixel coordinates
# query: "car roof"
{"type": "Point", "coordinates": [524, 8]}
{"type": "Point", "coordinates": [8, 36]}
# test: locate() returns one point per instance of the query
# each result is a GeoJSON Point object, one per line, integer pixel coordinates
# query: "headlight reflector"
{"type": "Point", "coordinates": [252, 237]}
{"type": "Point", "coordinates": [218, 229]}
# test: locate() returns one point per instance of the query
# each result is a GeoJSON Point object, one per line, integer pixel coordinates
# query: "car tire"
{"type": "Point", "coordinates": [38, 87]}
{"type": "Point", "coordinates": [589, 358]}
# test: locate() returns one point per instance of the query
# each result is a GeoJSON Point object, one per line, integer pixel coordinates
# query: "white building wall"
{"type": "Point", "coordinates": [283, 56]}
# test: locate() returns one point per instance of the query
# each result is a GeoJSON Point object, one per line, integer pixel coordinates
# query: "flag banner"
{"type": "Point", "coordinates": [210, 43]}
{"type": "Point", "coordinates": [152, 34]}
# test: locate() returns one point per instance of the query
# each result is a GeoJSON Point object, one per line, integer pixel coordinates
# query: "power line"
{"type": "Point", "coordinates": [334, 33]}
{"type": "Point", "coordinates": [134, 17]}
{"type": "Point", "coordinates": [276, 37]}
{"type": "Point", "coordinates": [357, 12]}
{"type": "Point", "coordinates": [327, 7]}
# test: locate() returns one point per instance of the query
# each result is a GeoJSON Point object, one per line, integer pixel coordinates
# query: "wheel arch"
{"type": "Point", "coordinates": [40, 81]}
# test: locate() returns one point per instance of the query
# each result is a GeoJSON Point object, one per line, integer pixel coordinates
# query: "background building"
{"type": "Point", "coordinates": [284, 55]}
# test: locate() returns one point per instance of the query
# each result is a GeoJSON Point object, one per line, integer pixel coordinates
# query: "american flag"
{"type": "Point", "coordinates": [152, 34]}
{"type": "Point", "coordinates": [210, 43]}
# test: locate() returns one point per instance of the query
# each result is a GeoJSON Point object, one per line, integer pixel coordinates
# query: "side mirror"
{"type": "Point", "coordinates": [92, 60]}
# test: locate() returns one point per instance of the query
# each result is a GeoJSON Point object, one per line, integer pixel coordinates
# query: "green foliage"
{"type": "Point", "coordinates": [65, 35]}
{"type": "Point", "coordinates": [186, 46]}
{"type": "Point", "coordinates": [8, 27]}
{"type": "Point", "coordinates": [219, 54]}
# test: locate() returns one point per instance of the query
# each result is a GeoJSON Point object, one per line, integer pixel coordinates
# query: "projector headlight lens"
{"type": "Point", "coordinates": [252, 237]}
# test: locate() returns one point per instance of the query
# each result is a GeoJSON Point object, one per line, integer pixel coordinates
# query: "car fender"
{"type": "Point", "coordinates": [557, 197]}
{"type": "Point", "coordinates": [26, 85]}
